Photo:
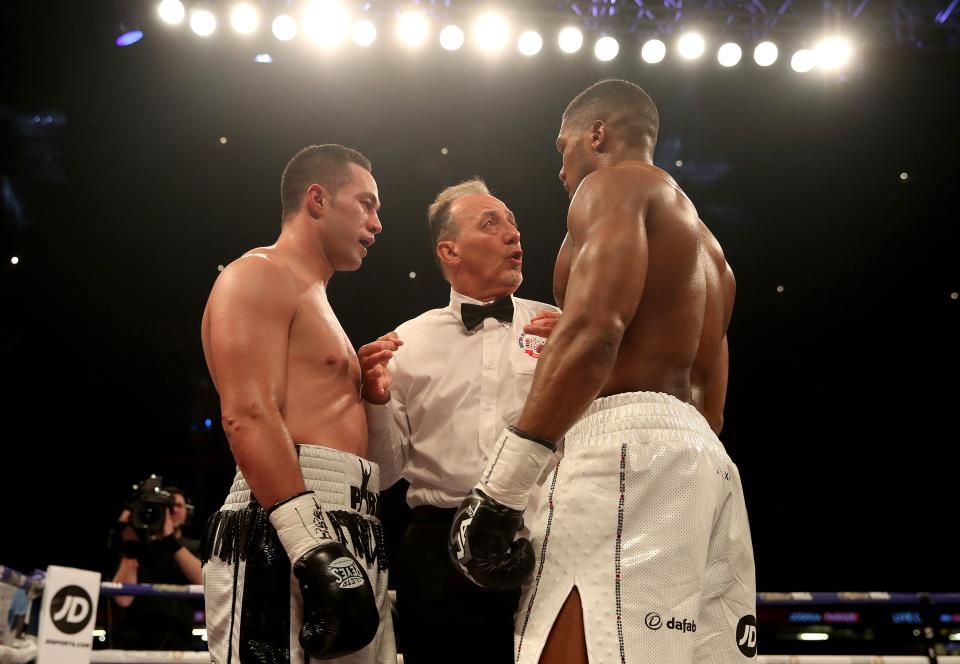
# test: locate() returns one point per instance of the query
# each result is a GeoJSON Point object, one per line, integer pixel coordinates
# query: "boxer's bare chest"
{"type": "Point", "coordinates": [319, 348]}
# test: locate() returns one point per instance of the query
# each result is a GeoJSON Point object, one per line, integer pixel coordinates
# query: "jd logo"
{"type": "Point", "coordinates": [71, 609]}
{"type": "Point", "coordinates": [747, 636]}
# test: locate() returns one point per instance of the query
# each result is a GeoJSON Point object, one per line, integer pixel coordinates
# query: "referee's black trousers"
{"type": "Point", "coordinates": [441, 616]}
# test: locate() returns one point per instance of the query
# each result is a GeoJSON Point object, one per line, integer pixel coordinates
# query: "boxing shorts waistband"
{"type": "Point", "coordinates": [652, 415]}
{"type": "Point", "coordinates": [340, 480]}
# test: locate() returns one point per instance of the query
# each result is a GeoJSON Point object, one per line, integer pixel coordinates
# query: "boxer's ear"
{"type": "Point", "coordinates": [316, 200]}
{"type": "Point", "coordinates": [598, 134]}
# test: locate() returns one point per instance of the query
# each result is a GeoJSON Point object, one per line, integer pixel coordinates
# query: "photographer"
{"type": "Point", "coordinates": [153, 550]}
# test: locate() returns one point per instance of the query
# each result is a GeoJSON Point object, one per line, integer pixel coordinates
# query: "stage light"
{"type": "Point", "coordinates": [653, 51]}
{"type": "Point", "coordinates": [606, 49]}
{"type": "Point", "coordinates": [814, 636]}
{"type": "Point", "coordinates": [765, 54]}
{"type": "Point", "coordinates": [803, 60]}
{"type": "Point", "coordinates": [129, 37]}
{"type": "Point", "coordinates": [491, 32]}
{"type": "Point", "coordinates": [451, 38]}
{"type": "Point", "coordinates": [691, 46]}
{"type": "Point", "coordinates": [570, 40]}
{"type": "Point", "coordinates": [263, 58]}
{"type": "Point", "coordinates": [326, 23]}
{"type": "Point", "coordinates": [833, 53]}
{"type": "Point", "coordinates": [244, 19]}
{"type": "Point", "coordinates": [413, 28]}
{"type": "Point", "coordinates": [171, 11]}
{"type": "Point", "coordinates": [530, 42]}
{"type": "Point", "coordinates": [284, 27]}
{"type": "Point", "coordinates": [14, 260]}
{"type": "Point", "coordinates": [729, 54]}
{"type": "Point", "coordinates": [203, 23]}
{"type": "Point", "coordinates": [364, 33]}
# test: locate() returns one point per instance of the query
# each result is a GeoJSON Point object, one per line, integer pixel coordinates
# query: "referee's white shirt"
{"type": "Point", "coordinates": [453, 392]}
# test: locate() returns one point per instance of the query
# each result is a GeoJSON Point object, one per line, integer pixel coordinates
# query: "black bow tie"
{"type": "Point", "coordinates": [473, 314]}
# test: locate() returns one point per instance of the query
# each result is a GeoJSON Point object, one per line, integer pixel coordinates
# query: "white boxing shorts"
{"type": "Point", "coordinates": [253, 606]}
{"type": "Point", "coordinates": [645, 516]}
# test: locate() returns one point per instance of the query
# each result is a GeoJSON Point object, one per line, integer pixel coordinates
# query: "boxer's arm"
{"type": "Point", "coordinates": [250, 311]}
{"type": "Point", "coordinates": [606, 220]}
{"type": "Point", "coordinates": [715, 395]}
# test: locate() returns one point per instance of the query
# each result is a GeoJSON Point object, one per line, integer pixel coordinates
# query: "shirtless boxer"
{"type": "Point", "coordinates": [643, 550]}
{"type": "Point", "coordinates": [294, 563]}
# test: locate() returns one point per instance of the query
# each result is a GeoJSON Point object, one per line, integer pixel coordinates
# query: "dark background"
{"type": "Point", "coordinates": [121, 201]}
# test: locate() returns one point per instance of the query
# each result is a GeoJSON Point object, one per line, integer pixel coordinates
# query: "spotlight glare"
{"type": "Point", "coordinates": [171, 11]}
{"type": "Point", "coordinates": [14, 260]}
{"type": "Point", "coordinates": [413, 28]}
{"type": "Point", "coordinates": [729, 54]}
{"type": "Point", "coordinates": [244, 19]}
{"type": "Point", "coordinates": [530, 42]}
{"type": "Point", "coordinates": [326, 23]}
{"type": "Point", "coordinates": [263, 58]}
{"type": "Point", "coordinates": [129, 38]}
{"type": "Point", "coordinates": [364, 33]}
{"type": "Point", "coordinates": [451, 38]}
{"type": "Point", "coordinates": [570, 40]}
{"type": "Point", "coordinates": [491, 32]}
{"type": "Point", "coordinates": [765, 54]}
{"type": "Point", "coordinates": [284, 27]}
{"type": "Point", "coordinates": [606, 49]}
{"type": "Point", "coordinates": [691, 46]}
{"type": "Point", "coordinates": [203, 23]}
{"type": "Point", "coordinates": [833, 53]}
{"type": "Point", "coordinates": [803, 60]}
{"type": "Point", "coordinates": [653, 51]}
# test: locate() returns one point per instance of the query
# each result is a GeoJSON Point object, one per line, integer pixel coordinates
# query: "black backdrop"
{"type": "Point", "coordinates": [120, 201]}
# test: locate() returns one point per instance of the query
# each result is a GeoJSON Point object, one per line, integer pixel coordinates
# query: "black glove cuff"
{"type": "Point", "coordinates": [171, 543]}
{"type": "Point", "coordinates": [550, 445]}
{"type": "Point", "coordinates": [131, 549]}
{"type": "Point", "coordinates": [287, 500]}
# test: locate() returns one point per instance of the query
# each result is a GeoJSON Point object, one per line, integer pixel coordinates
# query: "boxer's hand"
{"type": "Point", "coordinates": [339, 609]}
{"type": "Point", "coordinates": [543, 323]}
{"type": "Point", "coordinates": [482, 545]}
{"type": "Point", "coordinates": [373, 366]}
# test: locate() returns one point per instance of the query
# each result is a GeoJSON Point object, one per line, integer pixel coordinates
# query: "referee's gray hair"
{"type": "Point", "coordinates": [440, 222]}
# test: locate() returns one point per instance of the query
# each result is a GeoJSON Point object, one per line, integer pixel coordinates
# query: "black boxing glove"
{"type": "Point", "coordinates": [482, 544]}
{"type": "Point", "coordinates": [340, 613]}
{"type": "Point", "coordinates": [481, 541]}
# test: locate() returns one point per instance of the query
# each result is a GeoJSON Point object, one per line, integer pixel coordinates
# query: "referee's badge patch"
{"type": "Point", "coordinates": [531, 344]}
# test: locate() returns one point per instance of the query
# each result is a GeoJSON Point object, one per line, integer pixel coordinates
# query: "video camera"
{"type": "Point", "coordinates": [148, 505]}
